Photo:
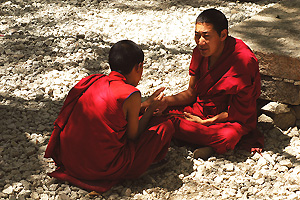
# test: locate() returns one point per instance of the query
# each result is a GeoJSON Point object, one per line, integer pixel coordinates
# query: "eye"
{"type": "Point", "coordinates": [206, 36]}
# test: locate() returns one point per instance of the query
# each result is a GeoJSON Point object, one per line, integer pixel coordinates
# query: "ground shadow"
{"type": "Point", "coordinates": [25, 128]}
{"type": "Point", "coordinates": [263, 34]}
{"type": "Point", "coordinates": [166, 179]}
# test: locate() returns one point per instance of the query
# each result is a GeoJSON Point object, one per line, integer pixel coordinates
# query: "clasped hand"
{"type": "Point", "coordinates": [194, 118]}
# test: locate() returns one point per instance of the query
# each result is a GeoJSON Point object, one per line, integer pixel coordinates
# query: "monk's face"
{"type": "Point", "coordinates": [209, 42]}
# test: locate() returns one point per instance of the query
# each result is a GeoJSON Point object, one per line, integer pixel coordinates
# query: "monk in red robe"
{"type": "Point", "coordinates": [219, 106]}
{"type": "Point", "coordinates": [99, 138]}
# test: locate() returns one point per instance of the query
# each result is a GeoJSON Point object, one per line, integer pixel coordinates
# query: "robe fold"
{"type": "Point", "coordinates": [89, 144]}
{"type": "Point", "coordinates": [231, 85]}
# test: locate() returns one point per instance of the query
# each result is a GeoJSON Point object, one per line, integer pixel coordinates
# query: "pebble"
{"type": "Point", "coordinates": [8, 190]}
{"type": "Point", "coordinates": [47, 47]}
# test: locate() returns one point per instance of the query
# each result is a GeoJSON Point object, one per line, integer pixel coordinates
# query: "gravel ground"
{"type": "Point", "coordinates": [47, 46]}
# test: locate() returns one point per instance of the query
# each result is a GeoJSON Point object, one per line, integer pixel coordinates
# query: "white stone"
{"type": "Point", "coordinates": [8, 190]}
{"type": "Point", "coordinates": [34, 195]}
{"type": "Point", "coordinates": [44, 197]}
{"type": "Point", "coordinates": [261, 162]}
{"type": "Point", "coordinates": [286, 163]}
{"type": "Point", "coordinates": [229, 167]}
{"type": "Point", "coordinates": [276, 108]}
{"type": "Point", "coordinates": [218, 179]}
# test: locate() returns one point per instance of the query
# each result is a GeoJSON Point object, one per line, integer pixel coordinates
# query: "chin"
{"type": "Point", "coordinates": [205, 54]}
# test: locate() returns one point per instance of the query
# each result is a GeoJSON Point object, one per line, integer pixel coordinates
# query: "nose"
{"type": "Point", "coordinates": [201, 40]}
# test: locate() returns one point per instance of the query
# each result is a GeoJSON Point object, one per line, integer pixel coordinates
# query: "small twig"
{"type": "Point", "coordinates": [216, 187]}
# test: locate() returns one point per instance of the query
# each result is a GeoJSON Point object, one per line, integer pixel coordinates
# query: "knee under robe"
{"type": "Point", "coordinates": [231, 85]}
{"type": "Point", "coordinates": [89, 145]}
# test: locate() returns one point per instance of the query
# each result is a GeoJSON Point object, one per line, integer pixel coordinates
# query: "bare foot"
{"type": "Point", "coordinates": [203, 153]}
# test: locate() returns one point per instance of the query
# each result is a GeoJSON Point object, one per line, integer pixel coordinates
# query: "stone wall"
{"type": "Point", "coordinates": [273, 35]}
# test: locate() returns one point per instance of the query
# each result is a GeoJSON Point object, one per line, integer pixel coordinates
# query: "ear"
{"type": "Point", "coordinates": [139, 67]}
{"type": "Point", "coordinates": [224, 34]}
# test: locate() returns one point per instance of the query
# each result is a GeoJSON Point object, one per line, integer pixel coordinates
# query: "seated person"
{"type": "Point", "coordinates": [219, 106]}
{"type": "Point", "coordinates": [99, 138]}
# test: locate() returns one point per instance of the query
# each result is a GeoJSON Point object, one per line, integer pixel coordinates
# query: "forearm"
{"type": "Point", "coordinates": [180, 99]}
{"type": "Point", "coordinates": [222, 117]}
{"type": "Point", "coordinates": [144, 120]}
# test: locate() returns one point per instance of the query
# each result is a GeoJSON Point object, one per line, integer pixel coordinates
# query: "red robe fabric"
{"type": "Point", "coordinates": [231, 85]}
{"type": "Point", "coordinates": [89, 144]}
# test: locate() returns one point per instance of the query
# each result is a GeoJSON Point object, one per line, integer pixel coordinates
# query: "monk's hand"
{"type": "Point", "coordinates": [145, 104]}
{"type": "Point", "coordinates": [192, 118]}
{"type": "Point", "coordinates": [156, 104]}
{"type": "Point", "coordinates": [154, 96]}
{"type": "Point", "coordinates": [161, 107]}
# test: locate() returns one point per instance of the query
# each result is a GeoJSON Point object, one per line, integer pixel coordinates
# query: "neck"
{"type": "Point", "coordinates": [130, 79]}
{"type": "Point", "coordinates": [213, 58]}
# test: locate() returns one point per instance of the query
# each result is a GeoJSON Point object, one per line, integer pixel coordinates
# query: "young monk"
{"type": "Point", "coordinates": [219, 106]}
{"type": "Point", "coordinates": [99, 138]}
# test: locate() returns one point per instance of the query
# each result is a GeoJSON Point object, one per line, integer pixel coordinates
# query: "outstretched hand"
{"type": "Point", "coordinates": [150, 99]}
{"type": "Point", "coordinates": [157, 93]}
{"type": "Point", "coordinates": [156, 103]}
{"type": "Point", "coordinates": [156, 100]}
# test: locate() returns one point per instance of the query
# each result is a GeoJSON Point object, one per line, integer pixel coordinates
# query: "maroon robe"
{"type": "Point", "coordinates": [231, 85]}
{"type": "Point", "coordinates": [89, 144]}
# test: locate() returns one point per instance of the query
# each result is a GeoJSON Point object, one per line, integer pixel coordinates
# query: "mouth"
{"type": "Point", "coordinates": [202, 49]}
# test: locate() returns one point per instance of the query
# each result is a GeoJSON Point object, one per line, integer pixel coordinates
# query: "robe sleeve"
{"type": "Point", "coordinates": [195, 62]}
{"type": "Point", "coordinates": [242, 104]}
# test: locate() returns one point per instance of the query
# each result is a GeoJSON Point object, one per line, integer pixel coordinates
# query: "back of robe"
{"type": "Point", "coordinates": [93, 145]}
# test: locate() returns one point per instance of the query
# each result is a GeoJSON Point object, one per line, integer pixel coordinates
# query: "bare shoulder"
{"type": "Point", "coordinates": [134, 97]}
{"type": "Point", "coordinates": [132, 103]}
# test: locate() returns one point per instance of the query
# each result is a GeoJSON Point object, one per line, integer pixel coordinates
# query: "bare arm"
{"type": "Point", "coordinates": [183, 98]}
{"type": "Point", "coordinates": [131, 109]}
{"type": "Point", "coordinates": [131, 112]}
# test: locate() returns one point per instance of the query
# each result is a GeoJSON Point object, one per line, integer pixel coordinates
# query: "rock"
{"type": "Point", "coordinates": [25, 184]}
{"type": "Point", "coordinates": [80, 36]}
{"type": "Point", "coordinates": [297, 111]}
{"type": "Point", "coordinates": [278, 90]}
{"type": "Point", "coordinates": [44, 197]}
{"type": "Point", "coordinates": [262, 161]}
{"type": "Point", "coordinates": [286, 163]}
{"type": "Point", "coordinates": [62, 197]}
{"type": "Point", "coordinates": [229, 167]}
{"type": "Point", "coordinates": [53, 187]}
{"type": "Point", "coordinates": [34, 195]}
{"type": "Point", "coordinates": [265, 121]}
{"type": "Point", "coordinates": [285, 120]}
{"type": "Point", "coordinates": [281, 113]}
{"type": "Point", "coordinates": [298, 123]}
{"type": "Point", "coordinates": [24, 193]}
{"type": "Point", "coordinates": [8, 190]}
{"type": "Point", "coordinates": [127, 192]}
{"type": "Point", "coordinates": [276, 108]}
{"type": "Point", "coordinates": [30, 151]}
